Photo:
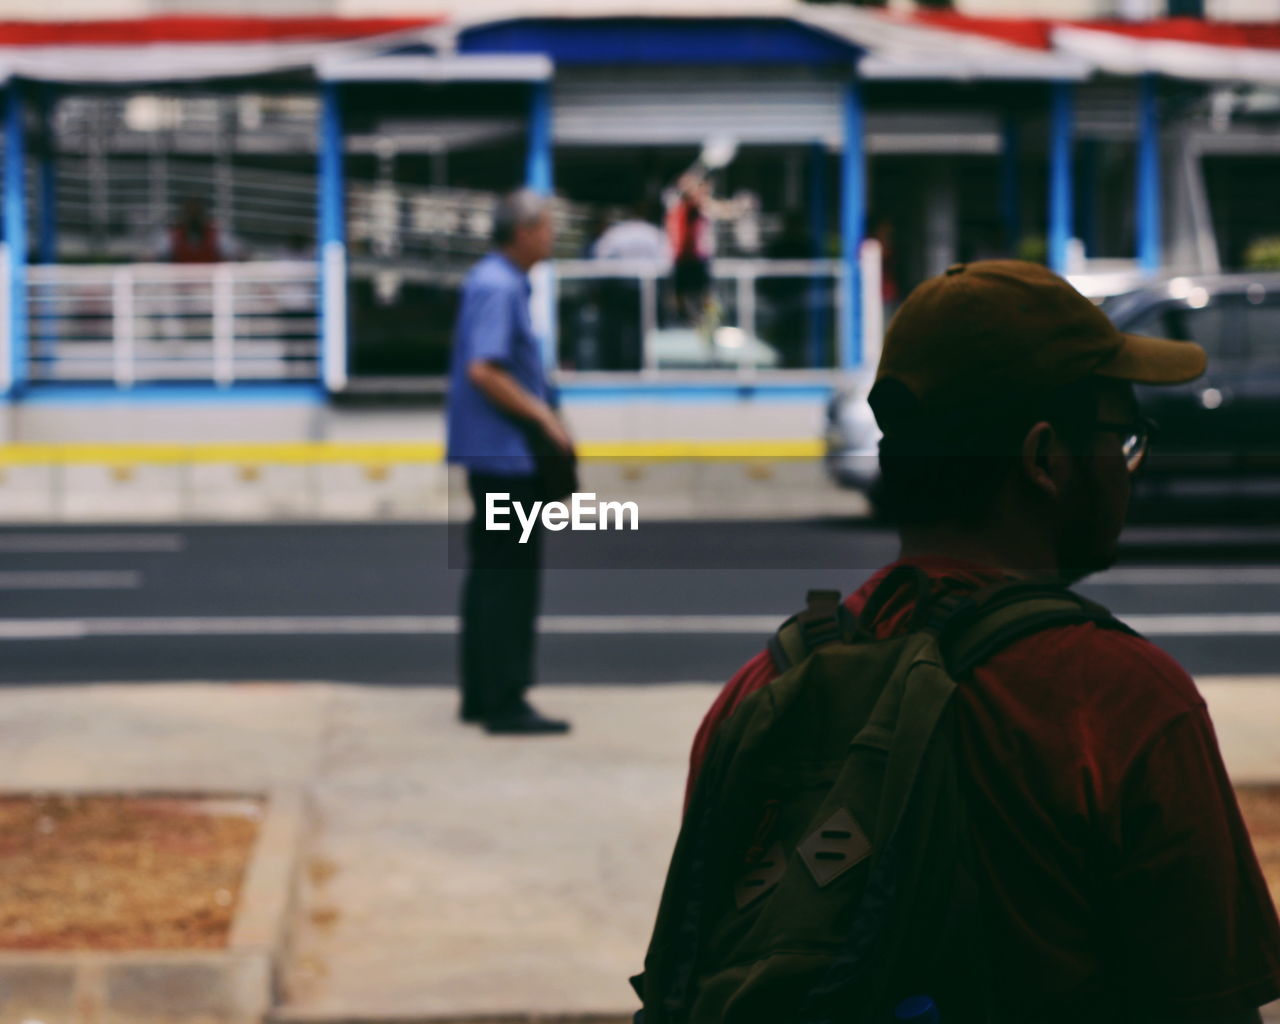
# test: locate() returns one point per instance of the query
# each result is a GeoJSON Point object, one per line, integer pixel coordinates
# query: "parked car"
{"type": "Point", "coordinates": [852, 437]}
{"type": "Point", "coordinates": [1218, 436]}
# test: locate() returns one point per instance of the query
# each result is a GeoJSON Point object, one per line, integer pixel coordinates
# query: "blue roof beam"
{"type": "Point", "coordinates": [662, 41]}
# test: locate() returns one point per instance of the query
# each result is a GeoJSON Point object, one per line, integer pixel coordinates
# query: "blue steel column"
{"type": "Point", "coordinates": [538, 177]}
{"type": "Point", "coordinates": [537, 168]}
{"type": "Point", "coordinates": [14, 373]}
{"type": "Point", "coordinates": [1147, 184]}
{"type": "Point", "coordinates": [1010, 192]}
{"type": "Point", "coordinates": [331, 235]}
{"type": "Point", "coordinates": [819, 318]}
{"type": "Point", "coordinates": [1060, 199]}
{"type": "Point", "coordinates": [853, 225]}
{"type": "Point", "coordinates": [47, 189]}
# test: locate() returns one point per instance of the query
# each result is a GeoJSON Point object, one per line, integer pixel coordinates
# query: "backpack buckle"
{"type": "Point", "coordinates": [823, 618]}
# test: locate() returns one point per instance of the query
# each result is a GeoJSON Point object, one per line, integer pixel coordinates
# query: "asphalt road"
{"type": "Point", "coordinates": [672, 602]}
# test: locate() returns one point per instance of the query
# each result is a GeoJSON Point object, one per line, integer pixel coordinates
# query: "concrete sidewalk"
{"type": "Point", "coordinates": [450, 875]}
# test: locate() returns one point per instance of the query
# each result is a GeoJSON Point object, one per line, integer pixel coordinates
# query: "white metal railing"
{"type": "Point", "coordinates": [662, 343]}
{"type": "Point", "coordinates": [138, 322]}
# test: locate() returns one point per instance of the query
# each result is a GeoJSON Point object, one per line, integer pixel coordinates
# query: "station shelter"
{"type": "Point", "coordinates": [347, 169]}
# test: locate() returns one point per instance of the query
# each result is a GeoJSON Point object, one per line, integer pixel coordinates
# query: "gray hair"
{"type": "Point", "coordinates": [515, 210]}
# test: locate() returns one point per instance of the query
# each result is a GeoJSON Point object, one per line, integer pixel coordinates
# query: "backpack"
{"type": "Point", "coordinates": [823, 873]}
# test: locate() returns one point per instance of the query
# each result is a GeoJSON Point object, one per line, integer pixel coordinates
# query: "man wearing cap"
{"type": "Point", "coordinates": [1118, 877]}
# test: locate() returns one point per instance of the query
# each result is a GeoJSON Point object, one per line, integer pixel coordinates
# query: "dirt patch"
{"type": "Point", "coordinates": [121, 873]}
{"type": "Point", "coordinates": [1260, 806]}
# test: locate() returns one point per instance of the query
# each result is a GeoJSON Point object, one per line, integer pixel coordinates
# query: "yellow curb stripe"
{"type": "Point", "coordinates": [320, 452]}
{"type": "Point", "coordinates": [794, 449]}
{"type": "Point", "coordinates": [174, 454]}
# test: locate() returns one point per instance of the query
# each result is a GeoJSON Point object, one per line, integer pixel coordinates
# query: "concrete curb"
{"type": "Point", "coordinates": [151, 987]}
{"type": "Point", "coordinates": [267, 892]}
{"type": "Point", "coordinates": [235, 985]}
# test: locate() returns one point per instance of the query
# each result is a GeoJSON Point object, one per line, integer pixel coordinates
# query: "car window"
{"type": "Point", "coordinates": [1122, 308]}
{"type": "Point", "coordinates": [1153, 321]}
{"type": "Point", "coordinates": [1262, 334]}
{"type": "Point", "coordinates": [1216, 328]}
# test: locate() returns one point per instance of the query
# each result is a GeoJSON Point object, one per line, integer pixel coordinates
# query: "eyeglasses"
{"type": "Point", "coordinates": [1135, 439]}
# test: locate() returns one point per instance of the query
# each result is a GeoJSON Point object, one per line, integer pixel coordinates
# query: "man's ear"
{"type": "Point", "coordinates": [1040, 460]}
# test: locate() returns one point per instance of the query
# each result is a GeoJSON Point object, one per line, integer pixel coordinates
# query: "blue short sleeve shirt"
{"type": "Point", "coordinates": [493, 325]}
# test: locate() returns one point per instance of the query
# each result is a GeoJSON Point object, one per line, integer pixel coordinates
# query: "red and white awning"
{"type": "Point", "coordinates": [1188, 48]}
{"type": "Point", "coordinates": [168, 49]}
{"type": "Point", "coordinates": [1215, 53]}
{"type": "Point", "coordinates": [916, 49]}
{"type": "Point", "coordinates": [922, 46]}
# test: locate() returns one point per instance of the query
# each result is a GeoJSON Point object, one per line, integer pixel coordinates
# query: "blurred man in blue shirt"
{"type": "Point", "coordinates": [500, 402]}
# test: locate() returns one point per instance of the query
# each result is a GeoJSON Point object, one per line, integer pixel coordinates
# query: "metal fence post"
{"type": "Point", "coordinates": [648, 319]}
{"type": "Point", "coordinates": [746, 299]}
{"type": "Point", "coordinates": [122, 327]}
{"type": "Point", "coordinates": [224, 326]}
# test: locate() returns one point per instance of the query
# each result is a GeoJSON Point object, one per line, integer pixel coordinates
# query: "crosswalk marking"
{"type": "Point", "coordinates": [1189, 576]}
{"type": "Point", "coordinates": [1213, 624]}
{"type": "Point", "coordinates": [125, 579]}
{"type": "Point", "coordinates": [91, 543]}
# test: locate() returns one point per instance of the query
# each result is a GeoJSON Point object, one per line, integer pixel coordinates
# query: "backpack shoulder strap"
{"type": "Point", "coordinates": [824, 620]}
{"type": "Point", "coordinates": [974, 628]}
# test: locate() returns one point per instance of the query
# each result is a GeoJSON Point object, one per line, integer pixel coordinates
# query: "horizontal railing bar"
{"type": "Point", "coordinates": [72, 348]}
{"type": "Point", "coordinates": [150, 272]}
{"type": "Point", "coordinates": [104, 370]}
{"type": "Point", "coordinates": [252, 304]}
{"type": "Point", "coordinates": [144, 377]}
{"type": "Point", "coordinates": [728, 268]}
{"type": "Point", "coordinates": [154, 357]}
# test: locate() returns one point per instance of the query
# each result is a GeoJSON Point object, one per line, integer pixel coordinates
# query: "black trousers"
{"type": "Point", "coordinates": [499, 602]}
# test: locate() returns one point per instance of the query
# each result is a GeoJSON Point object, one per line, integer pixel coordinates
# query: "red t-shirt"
{"type": "Point", "coordinates": [688, 229]}
{"type": "Point", "coordinates": [1118, 868]}
{"type": "Point", "coordinates": [187, 247]}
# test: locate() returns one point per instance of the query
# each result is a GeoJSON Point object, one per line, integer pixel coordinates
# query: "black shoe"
{"type": "Point", "coordinates": [525, 721]}
{"type": "Point", "coordinates": [470, 715]}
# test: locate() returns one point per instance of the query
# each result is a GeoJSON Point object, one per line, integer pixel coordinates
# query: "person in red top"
{"type": "Point", "coordinates": [690, 234]}
{"type": "Point", "coordinates": [1119, 879]}
{"type": "Point", "coordinates": [195, 238]}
